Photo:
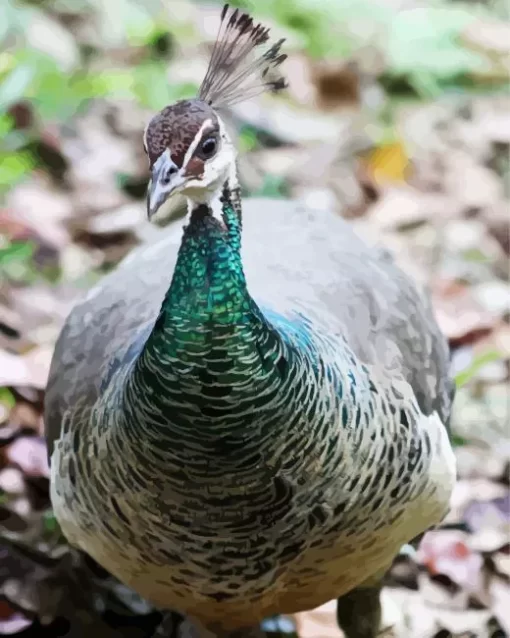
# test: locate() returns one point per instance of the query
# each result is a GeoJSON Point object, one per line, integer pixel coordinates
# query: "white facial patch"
{"type": "Point", "coordinates": [217, 170]}
{"type": "Point", "coordinates": [164, 158]}
{"type": "Point", "coordinates": [193, 146]}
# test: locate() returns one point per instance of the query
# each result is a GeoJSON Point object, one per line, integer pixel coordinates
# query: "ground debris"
{"type": "Point", "coordinates": [428, 178]}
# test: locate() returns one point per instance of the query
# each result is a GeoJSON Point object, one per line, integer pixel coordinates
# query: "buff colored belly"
{"type": "Point", "coordinates": [316, 576]}
{"type": "Point", "coordinates": [337, 562]}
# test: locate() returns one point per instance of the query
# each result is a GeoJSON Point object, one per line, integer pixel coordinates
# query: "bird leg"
{"type": "Point", "coordinates": [359, 612]}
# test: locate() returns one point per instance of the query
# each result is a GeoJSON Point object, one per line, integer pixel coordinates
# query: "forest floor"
{"type": "Point", "coordinates": [436, 194]}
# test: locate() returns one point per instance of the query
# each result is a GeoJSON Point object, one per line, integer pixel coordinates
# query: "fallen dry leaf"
{"type": "Point", "coordinates": [473, 185]}
{"type": "Point", "coordinates": [388, 164]}
{"type": "Point", "coordinates": [494, 513]}
{"type": "Point", "coordinates": [30, 455]}
{"type": "Point", "coordinates": [30, 369]}
{"type": "Point", "coordinates": [459, 315]}
{"type": "Point", "coordinates": [11, 621]}
{"type": "Point", "coordinates": [447, 553]}
{"type": "Point", "coordinates": [36, 200]}
{"type": "Point", "coordinates": [500, 593]}
{"type": "Point", "coordinates": [11, 481]}
{"type": "Point", "coordinates": [318, 623]}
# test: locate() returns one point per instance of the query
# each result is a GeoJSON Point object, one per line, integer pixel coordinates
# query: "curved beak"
{"type": "Point", "coordinates": [165, 180]}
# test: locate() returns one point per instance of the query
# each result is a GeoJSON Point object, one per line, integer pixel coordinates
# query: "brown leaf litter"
{"type": "Point", "coordinates": [435, 195]}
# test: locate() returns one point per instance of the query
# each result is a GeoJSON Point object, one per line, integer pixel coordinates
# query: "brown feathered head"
{"type": "Point", "coordinates": [188, 148]}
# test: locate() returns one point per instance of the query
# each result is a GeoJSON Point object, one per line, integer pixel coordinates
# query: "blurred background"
{"type": "Point", "coordinates": [397, 117]}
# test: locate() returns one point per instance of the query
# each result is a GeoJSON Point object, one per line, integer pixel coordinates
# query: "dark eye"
{"type": "Point", "coordinates": [208, 147]}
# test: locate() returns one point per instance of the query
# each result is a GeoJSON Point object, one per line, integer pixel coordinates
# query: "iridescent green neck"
{"type": "Point", "coordinates": [208, 306]}
{"type": "Point", "coordinates": [208, 282]}
{"type": "Point", "coordinates": [212, 357]}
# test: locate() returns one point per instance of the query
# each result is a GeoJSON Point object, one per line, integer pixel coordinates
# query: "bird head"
{"type": "Point", "coordinates": [189, 149]}
{"type": "Point", "coordinates": [189, 152]}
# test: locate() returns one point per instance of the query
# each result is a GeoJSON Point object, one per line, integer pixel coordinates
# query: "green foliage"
{"type": "Point", "coordinates": [16, 261]}
{"type": "Point", "coordinates": [19, 263]}
{"type": "Point", "coordinates": [51, 532]}
{"type": "Point", "coordinates": [463, 377]}
{"type": "Point", "coordinates": [50, 523]}
{"type": "Point", "coordinates": [147, 84]}
{"type": "Point", "coordinates": [272, 187]}
{"type": "Point", "coordinates": [422, 45]}
{"type": "Point", "coordinates": [56, 92]}
{"type": "Point", "coordinates": [475, 256]}
{"type": "Point", "coordinates": [7, 400]}
{"type": "Point", "coordinates": [13, 167]}
{"type": "Point", "coordinates": [458, 441]}
{"type": "Point", "coordinates": [57, 95]}
{"type": "Point", "coordinates": [328, 28]}
{"type": "Point", "coordinates": [247, 139]}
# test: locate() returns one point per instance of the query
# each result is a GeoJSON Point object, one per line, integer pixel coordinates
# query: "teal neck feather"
{"type": "Point", "coordinates": [212, 356]}
{"type": "Point", "coordinates": [222, 391]}
{"type": "Point", "coordinates": [208, 282]}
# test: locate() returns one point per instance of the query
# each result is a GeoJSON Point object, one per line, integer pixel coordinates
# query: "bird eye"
{"type": "Point", "coordinates": [208, 147]}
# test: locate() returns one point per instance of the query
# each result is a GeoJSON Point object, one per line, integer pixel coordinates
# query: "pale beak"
{"type": "Point", "coordinates": [165, 180]}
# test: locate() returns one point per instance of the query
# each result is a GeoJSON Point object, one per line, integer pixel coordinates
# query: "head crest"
{"type": "Point", "coordinates": [234, 73]}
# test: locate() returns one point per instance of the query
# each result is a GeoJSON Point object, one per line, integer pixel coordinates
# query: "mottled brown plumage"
{"type": "Point", "coordinates": [175, 127]}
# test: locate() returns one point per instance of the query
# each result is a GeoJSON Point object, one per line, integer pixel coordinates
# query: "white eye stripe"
{"type": "Point", "coordinates": [145, 139]}
{"type": "Point", "coordinates": [198, 138]}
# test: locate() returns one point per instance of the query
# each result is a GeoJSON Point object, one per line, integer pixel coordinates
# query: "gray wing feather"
{"type": "Point", "coordinates": [292, 256]}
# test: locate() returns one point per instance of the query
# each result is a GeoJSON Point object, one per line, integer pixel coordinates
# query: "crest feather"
{"type": "Point", "coordinates": [234, 73]}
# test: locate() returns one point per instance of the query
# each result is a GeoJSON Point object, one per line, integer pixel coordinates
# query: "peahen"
{"type": "Point", "coordinates": [238, 432]}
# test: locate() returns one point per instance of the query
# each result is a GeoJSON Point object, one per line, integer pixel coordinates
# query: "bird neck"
{"type": "Point", "coordinates": [208, 292]}
{"type": "Point", "coordinates": [210, 336]}
{"type": "Point", "coordinates": [208, 282]}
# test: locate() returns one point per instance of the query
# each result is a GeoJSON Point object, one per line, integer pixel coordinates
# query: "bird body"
{"type": "Point", "coordinates": [304, 478]}
{"type": "Point", "coordinates": [247, 417]}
